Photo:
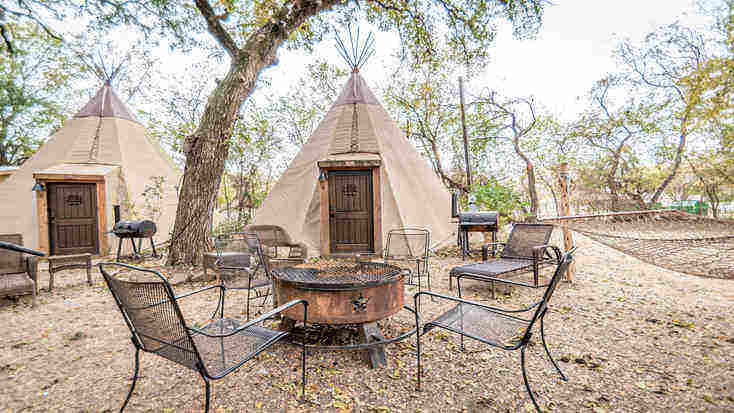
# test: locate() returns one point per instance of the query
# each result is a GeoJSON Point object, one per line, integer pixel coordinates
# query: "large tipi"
{"type": "Point", "coordinates": [356, 178]}
{"type": "Point", "coordinates": [100, 165]}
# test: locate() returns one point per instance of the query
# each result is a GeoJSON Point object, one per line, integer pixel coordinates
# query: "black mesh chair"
{"type": "Point", "coordinates": [526, 250]}
{"type": "Point", "coordinates": [242, 265]}
{"type": "Point", "coordinates": [410, 246]}
{"type": "Point", "coordinates": [152, 312]}
{"type": "Point", "coordinates": [501, 328]}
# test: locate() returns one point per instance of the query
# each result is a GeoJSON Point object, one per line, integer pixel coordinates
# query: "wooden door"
{"type": "Point", "coordinates": [350, 211]}
{"type": "Point", "coordinates": [72, 218]}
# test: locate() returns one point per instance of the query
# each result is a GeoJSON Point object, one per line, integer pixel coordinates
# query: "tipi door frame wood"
{"type": "Point", "coordinates": [44, 235]}
{"type": "Point", "coordinates": [325, 244]}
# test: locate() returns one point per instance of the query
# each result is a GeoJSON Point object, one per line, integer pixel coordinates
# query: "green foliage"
{"type": "Point", "coordinates": [32, 81]}
{"type": "Point", "coordinates": [494, 196]}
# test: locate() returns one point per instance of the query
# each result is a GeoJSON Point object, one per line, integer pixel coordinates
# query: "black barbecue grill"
{"type": "Point", "coordinates": [135, 230]}
{"type": "Point", "coordinates": [473, 221]}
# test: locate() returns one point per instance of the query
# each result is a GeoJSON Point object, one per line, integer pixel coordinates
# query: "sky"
{"type": "Point", "coordinates": [572, 50]}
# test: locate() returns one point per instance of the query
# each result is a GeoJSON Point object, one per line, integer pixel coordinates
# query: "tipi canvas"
{"type": "Point", "coordinates": [359, 161]}
{"type": "Point", "coordinates": [64, 198]}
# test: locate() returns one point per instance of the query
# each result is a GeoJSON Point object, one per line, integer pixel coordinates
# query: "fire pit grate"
{"type": "Point", "coordinates": [340, 276]}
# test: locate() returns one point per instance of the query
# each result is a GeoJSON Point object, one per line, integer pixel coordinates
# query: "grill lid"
{"type": "Point", "coordinates": [135, 229]}
{"type": "Point", "coordinates": [478, 218]}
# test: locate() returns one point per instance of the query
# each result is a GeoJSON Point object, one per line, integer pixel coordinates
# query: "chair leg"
{"type": "Point", "coordinates": [525, 378]}
{"type": "Point", "coordinates": [303, 367]}
{"type": "Point", "coordinates": [208, 392]}
{"type": "Point", "coordinates": [135, 379]}
{"type": "Point", "coordinates": [247, 304]}
{"type": "Point", "coordinates": [547, 351]}
{"type": "Point", "coordinates": [418, 348]}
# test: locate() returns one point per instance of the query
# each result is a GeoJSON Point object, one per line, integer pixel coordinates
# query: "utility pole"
{"type": "Point", "coordinates": [466, 137]}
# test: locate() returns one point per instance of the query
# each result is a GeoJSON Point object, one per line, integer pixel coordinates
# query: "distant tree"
{"type": "Point", "coordinates": [514, 120]}
{"type": "Point", "coordinates": [680, 72]}
{"type": "Point", "coordinates": [34, 80]}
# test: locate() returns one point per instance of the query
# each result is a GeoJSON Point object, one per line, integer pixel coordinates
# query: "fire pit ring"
{"type": "Point", "coordinates": [342, 293]}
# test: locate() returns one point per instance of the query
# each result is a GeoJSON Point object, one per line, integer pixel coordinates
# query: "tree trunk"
{"type": "Point", "coordinates": [678, 157]}
{"type": "Point", "coordinates": [206, 153]}
{"type": "Point", "coordinates": [206, 150]}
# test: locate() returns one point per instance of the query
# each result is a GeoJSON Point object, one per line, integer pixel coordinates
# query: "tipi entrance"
{"type": "Point", "coordinates": [351, 218]}
{"type": "Point", "coordinates": [72, 218]}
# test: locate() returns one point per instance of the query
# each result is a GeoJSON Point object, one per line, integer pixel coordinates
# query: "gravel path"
{"type": "Point", "coordinates": [630, 336]}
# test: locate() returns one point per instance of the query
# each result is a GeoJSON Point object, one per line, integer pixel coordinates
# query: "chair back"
{"type": "Point", "coordinates": [150, 310]}
{"type": "Point", "coordinates": [524, 237]}
{"type": "Point", "coordinates": [563, 263]}
{"type": "Point", "coordinates": [250, 249]}
{"type": "Point", "coordinates": [271, 235]}
{"type": "Point", "coordinates": [410, 243]}
{"type": "Point", "coordinates": [11, 262]}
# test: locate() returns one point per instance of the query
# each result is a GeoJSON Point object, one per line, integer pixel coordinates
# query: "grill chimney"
{"type": "Point", "coordinates": [454, 205]}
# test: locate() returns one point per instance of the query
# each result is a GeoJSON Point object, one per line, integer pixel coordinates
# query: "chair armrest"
{"type": "Point", "coordinates": [199, 291]}
{"type": "Point", "coordinates": [539, 250]}
{"type": "Point", "coordinates": [260, 319]}
{"type": "Point", "coordinates": [464, 301]}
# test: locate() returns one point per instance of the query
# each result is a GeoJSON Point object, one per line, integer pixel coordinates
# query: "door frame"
{"type": "Point", "coordinates": [325, 224]}
{"type": "Point", "coordinates": [44, 234]}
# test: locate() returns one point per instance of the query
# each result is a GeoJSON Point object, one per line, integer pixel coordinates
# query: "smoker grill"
{"type": "Point", "coordinates": [135, 230]}
{"type": "Point", "coordinates": [473, 221]}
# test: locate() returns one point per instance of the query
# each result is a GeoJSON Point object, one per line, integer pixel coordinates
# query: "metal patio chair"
{"type": "Point", "coordinates": [273, 237]}
{"type": "Point", "coordinates": [242, 265]}
{"type": "Point", "coordinates": [18, 273]}
{"type": "Point", "coordinates": [410, 246]}
{"type": "Point", "coordinates": [526, 250]}
{"type": "Point", "coordinates": [152, 313]}
{"type": "Point", "coordinates": [501, 328]}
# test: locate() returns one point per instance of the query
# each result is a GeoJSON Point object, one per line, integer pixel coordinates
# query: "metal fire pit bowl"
{"type": "Point", "coordinates": [343, 293]}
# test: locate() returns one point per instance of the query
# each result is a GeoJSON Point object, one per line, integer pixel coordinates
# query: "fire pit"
{"type": "Point", "coordinates": [359, 294]}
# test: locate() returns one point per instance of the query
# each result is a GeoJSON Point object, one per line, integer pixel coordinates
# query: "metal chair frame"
{"type": "Point", "coordinates": [540, 307]}
{"type": "Point", "coordinates": [255, 248]}
{"type": "Point", "coordinates": [532, 262]}
{"type": "Point", "coordinates": [137, 336]}
{"type": "Point", "coordinates": [420, 258]}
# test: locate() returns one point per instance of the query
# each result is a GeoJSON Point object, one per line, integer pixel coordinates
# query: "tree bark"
{"type": "Point", "coordinates": [206, 150]}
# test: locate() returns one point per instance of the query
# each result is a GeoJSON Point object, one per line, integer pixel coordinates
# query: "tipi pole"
{"type": "Point", "coordinates": [566, 211]}
{"type": "Point", "coordinates": [466, 137]}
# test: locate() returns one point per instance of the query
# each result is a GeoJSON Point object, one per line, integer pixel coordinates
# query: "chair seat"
{"type": "Point", "coordinates": [493, 268]}
{"type": "Point", "coordinates": [15, 284]}
{"type": "Point", "coordinates": [221, 354]}
{"type": "Point", "coordinates": [231, 280]}
{"type": "Point", "coordinates": [491, 327]}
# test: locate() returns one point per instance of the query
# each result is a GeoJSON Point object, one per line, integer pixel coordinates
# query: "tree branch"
{"type": "Point", "coordinates": [216, 29]}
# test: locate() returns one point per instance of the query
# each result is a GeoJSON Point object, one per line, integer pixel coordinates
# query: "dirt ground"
{"type": "Point", "coordinates": [630, 336]}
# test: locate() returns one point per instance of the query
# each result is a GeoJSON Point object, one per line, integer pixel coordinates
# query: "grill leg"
{"type": "Point", "coordinates": [135, 378]}
{"type": "Point", "coordinates": [152, 245]}
{"type": "Point", "coordinates": [119, 248]}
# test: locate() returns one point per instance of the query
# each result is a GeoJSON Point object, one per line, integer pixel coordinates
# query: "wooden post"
{"type": "Point", "coordinates": [466, 136]}
{"type": "Point", "coordinates": [566, 211]}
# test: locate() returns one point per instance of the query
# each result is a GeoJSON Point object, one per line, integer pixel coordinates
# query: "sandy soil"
{"type": "Point", "coordinates": [630, 336]}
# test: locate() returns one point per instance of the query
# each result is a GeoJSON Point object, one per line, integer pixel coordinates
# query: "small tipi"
{"type": "Point", "coordinates": [356, 178]}
{"type": "Point", "coordinates": [100, 165]}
